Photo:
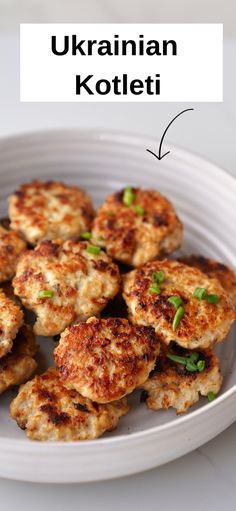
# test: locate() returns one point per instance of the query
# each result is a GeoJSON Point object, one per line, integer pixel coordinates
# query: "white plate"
{"type": "Point", "coordinates": [204, 196]}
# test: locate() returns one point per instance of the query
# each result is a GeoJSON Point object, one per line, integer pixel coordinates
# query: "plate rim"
{"type": "Point", "coordinates": [124, 137]}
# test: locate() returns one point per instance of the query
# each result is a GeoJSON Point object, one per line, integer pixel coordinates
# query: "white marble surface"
{"type": "Point", "coordinates": [206, 477]}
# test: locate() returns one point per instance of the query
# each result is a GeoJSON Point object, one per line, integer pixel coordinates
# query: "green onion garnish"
{"type": "Point", "coordinates": [100, 238]}
{"type": "Point", "coordinates": [194, 357]}
{"type": "Point", "coordinates": [154, 288]}
{"type": "Point", "coordinates": [178, 316]}
{"type": "Point", "coordinates": [176, 358]}
{"type": "Point", "coordinates": [200, 293]}
{"type": "Point", "coordinates": [201, 365]}
{"type": "Point", "coordinates": [191, 367]}
{"type": "Point", "coordinates": [46, 293]}
{"type": "Point", "coordinates": [175, 300]}
{"type": "Point", "coordinates": [139, 210]}
{"type": "Point", "coordinates": [128, 196]}
{"type": "Point", "coordinates": [92, 249]}
{"type": "Point", "coordinates": [86, 235]}
{"type": "Point", "coordinates": [158, 276]}
{"type": "Point", "coordinates": [213, 298]}
{"type": "Point", "coordinates": [191, 363]}
{"type": "Point", "coordinates": [211, 396]}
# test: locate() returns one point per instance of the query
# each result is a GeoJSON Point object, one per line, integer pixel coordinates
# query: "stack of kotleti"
{"type": "Point", "coordinates": [17, 341]}
{"type": "Point", "coordinates": [151, 328]}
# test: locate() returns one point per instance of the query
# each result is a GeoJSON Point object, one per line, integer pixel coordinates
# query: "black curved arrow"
{"type": "Point", "coordinates": [159, 156]}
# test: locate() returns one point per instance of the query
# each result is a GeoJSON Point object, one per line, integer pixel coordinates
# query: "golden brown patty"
{"type": "Point", "coordinates": [105, 359]}
{"type": "Point", "coordinates": [63, 282]}
{"type": "Point", "coordinates": [11, 245]}
{"type": "Point", "coordinates": [48, 411]}
{"type": "Point", "coordinates": [11, 319]}
{"type": "Point", "coordinates": [138, 233]}
{"type": "Point", "coordinates": [50, 210]}
{"type": "Point", "coordinates": [17, 367]}
{"type": "Point", "coordinates": [171, 384]}
{"type": "Point", "coordinates": [202, 324]}
{"type": "Point", "coordinates": [215, 269]}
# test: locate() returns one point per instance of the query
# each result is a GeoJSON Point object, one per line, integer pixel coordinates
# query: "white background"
{"type": "Point", "coordinates": [194, 74]}
{"type": "Point", "coordinates": [13, 12]}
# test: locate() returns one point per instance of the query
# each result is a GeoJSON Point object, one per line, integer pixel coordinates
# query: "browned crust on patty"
{"type": "Point", "coordinates": [18, 365]}
{"type": "Point", "coordinates": [105, 359]}
{"type": "Point", "coordinates": [170, 384]}
{"type": "Point", "coordinates": [214, 269]}
{"type": "Point", "coordinates": [11, 319]}
{"type": "Point", "coordinates": [11, 246]}
{"type": "Point", "coordinates": [81, 283]}
{"type": "Point", "coordinates": [203, 323]}
{"type": "Point", "coordinates": [50, 412]}
{"type": "Point", "coordinates": [132, 238]}
{"type": "Point", "coordinates": [48, 210]}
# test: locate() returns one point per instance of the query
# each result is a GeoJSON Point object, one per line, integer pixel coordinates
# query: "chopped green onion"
{"type": "Point", "coordinates": [191, 367]}
{"type": "Point", "coordinates": [92, 249]}
{"type": "Point", "coordinates": [200, 293]}
{"type": "Point", "coordinates": [86, 235]}
{"type": "Point", "coordinates": [189, 362]}
{"type": "Point", "coordinates": [128, 196]}
{"type": "Point", "coordinates": [158, 276]}
{"type": "Point", "coordinates": [175, 300]}
{"type": "Point", "coordinates": [213, 298]}
{"type": "Point", "coordinates": [139, 210]}
{"type": "Point", "coordinates": [176, 358]}
{"type": "Point", "coordinates": [211, 396]}
{"type": "Point", "coordinates": [178, 316]}
{"type": "Point", "coordinates": [201, 365]}
{"type": "Point", "coordinates": [46, 293]}
{"type": "Point", "coordinates": [100, 238]}
{"type": "Point", "coordinates": [194, 357]}
{"type": "Point", "coordinates": [154, 288]}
